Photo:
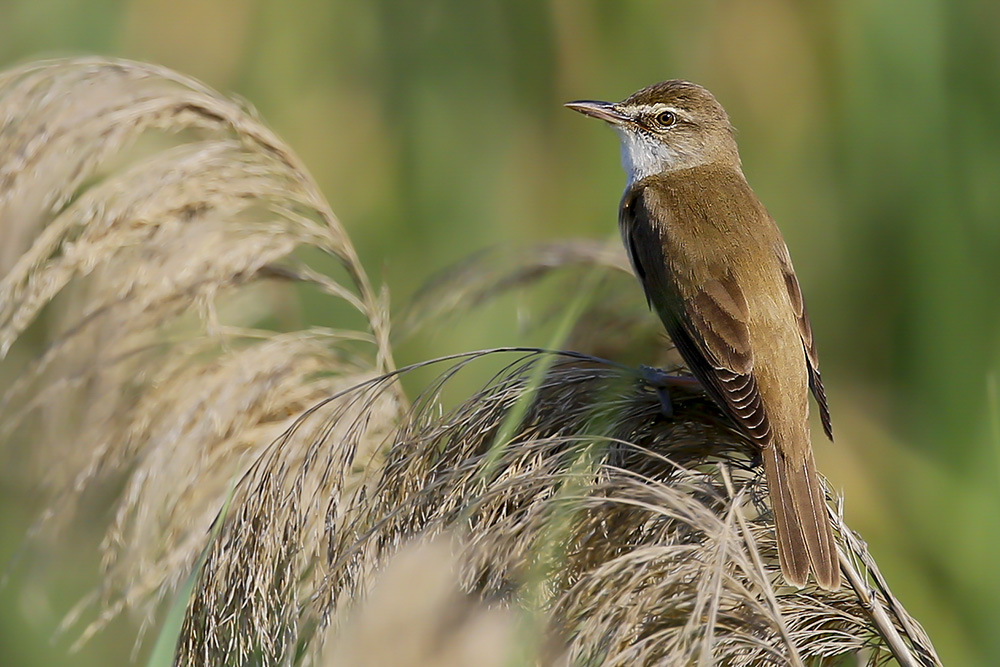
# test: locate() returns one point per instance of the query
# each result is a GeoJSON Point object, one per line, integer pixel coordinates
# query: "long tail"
{"type": "Point", "coordinates": [805, 538]}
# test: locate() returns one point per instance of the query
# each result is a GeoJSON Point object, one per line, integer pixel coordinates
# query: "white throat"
{"type": "Point", "coordinates": [643, 156]}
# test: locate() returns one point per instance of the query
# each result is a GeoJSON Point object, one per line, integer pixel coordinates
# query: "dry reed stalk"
{"type": "Point", "coordinates": [156, 220]}
{"type": "Point", "coordinates": [601, 533]}
{"type": "Point", "coordinates": [418, 603]}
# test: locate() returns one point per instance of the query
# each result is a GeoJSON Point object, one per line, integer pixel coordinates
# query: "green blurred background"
{"type": "Point", "coordinates": [871, 129]}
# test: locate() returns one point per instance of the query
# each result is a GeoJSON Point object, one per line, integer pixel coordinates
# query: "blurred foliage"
{"type": "Point", "coordinates": [435, 127]}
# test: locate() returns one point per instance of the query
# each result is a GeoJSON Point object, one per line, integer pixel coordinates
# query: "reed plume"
{"type": "Point", "coordinates": [151, 225]}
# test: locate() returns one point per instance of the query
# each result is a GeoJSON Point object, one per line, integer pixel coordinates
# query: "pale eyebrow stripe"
{"type": "Point", "coordinates": [659, 108]}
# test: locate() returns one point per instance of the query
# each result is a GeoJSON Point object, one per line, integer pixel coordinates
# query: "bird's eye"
{"type": "Point", "coordinates": [666, 118]}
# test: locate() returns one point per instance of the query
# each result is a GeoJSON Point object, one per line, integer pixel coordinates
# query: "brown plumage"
{"type": "Point", "coordinates": [715, 268]}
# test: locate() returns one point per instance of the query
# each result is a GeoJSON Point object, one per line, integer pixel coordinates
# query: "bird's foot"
{"type": "Point", "coordinates": [662, 381]}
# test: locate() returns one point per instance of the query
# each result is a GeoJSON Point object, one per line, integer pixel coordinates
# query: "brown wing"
{"type": "Point", "coordinates": [805, 332]}
{"type": "Point", "coordinates": [709, 327]}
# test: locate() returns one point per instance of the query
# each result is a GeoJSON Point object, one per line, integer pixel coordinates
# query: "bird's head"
{"type": "Point", "coordinates": [667, 127]}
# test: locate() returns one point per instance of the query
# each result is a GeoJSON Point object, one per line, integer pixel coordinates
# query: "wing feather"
{"type": "Point", "coordinates": [805, 333]}
{"type": "Point", "coordinates": [709, 327]}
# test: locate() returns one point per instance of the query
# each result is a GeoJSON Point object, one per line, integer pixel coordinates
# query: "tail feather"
{"type": "Point", "coordinates": [805, 538]}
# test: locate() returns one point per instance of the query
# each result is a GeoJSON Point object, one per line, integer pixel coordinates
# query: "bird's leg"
{"type": "Point", "coordinates": [662, 381]}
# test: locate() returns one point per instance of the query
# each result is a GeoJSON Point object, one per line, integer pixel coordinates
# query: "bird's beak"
{"type": "Point", "coordinates": [606, 111]}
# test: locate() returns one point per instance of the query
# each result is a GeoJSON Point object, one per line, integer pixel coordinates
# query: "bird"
{"type": "Point", "coordinates": [715, 268]}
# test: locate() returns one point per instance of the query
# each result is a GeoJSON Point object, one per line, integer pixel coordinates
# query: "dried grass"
{"type": "Point", "coordinates": [600, 532]}
{"type": "Point", "coordinates": [153, 262]}
{"type": "Point", "coordinates": [418, 603]}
